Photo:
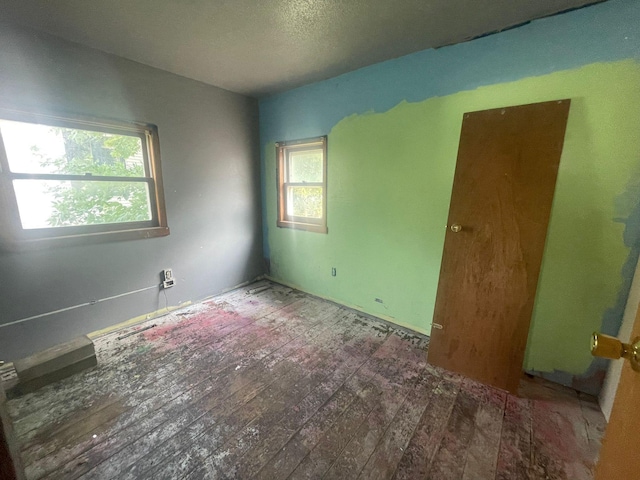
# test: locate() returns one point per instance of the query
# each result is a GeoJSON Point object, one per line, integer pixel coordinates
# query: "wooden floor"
{"type": "Point", "coordinates": [278, 384]}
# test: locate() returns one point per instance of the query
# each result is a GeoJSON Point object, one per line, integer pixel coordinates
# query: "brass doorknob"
{"type": "Point", "coordinates": [456, 227]}
{"type": "Point", "coordinates": [610, 347]}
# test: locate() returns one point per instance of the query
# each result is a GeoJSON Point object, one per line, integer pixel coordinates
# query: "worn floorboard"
{"type": "Point", "coordinates": [282, 385]}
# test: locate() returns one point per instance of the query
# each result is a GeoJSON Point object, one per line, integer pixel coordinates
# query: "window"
{"type": "Point", "coordinates": [302, 184]}
{"type": "Point", "coordinates": [72, 179]}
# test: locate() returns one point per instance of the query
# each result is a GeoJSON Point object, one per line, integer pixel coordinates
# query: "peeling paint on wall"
{"type": "Point", "coordinates": [394, 129]}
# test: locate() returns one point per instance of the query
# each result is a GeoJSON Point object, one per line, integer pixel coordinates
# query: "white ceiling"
{"type": "Point", "coordinates": [259, 47]}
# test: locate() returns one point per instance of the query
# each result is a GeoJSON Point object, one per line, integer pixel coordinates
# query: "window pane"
{"type": "Point", "coordinates": [33, 148]}
{"type": "Point", "coordinates": [57, 203]}
{"type": "Point", "coordinates": [304, 202]}
{"type": "Point", "coordinates": [305, 166]}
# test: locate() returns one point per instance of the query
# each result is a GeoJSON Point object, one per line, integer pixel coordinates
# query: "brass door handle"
{"type": "Point", "coordinates": [456, 227]}
{"type": "Point", "coordinates": [610, 347]}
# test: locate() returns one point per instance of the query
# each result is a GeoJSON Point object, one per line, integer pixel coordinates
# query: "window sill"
{"type": "Point", "coordinates": [309, 227]}
{"type": "Point", "coordinates": [14, 244]}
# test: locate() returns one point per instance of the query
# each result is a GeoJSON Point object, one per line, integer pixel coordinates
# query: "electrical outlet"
{"type": "Point", "coordinates": [167, 278]}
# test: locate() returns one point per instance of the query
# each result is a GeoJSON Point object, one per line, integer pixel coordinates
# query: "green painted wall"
{"type": "Point", "coordinates": [389, 185]}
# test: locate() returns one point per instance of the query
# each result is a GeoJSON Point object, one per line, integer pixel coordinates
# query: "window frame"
{"type": "Point", "coordinates": [15, 237]}
{"type": "Point", "coordinates": [283, 150]}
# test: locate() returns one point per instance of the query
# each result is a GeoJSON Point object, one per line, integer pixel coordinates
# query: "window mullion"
{"type": "Point", "coordinates": [305, 184]}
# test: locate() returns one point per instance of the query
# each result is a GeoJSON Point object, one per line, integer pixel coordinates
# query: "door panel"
{"type": "Point", "coordinates": [502, 193]}
{"type": "Point", "coordinates": [619, 456]}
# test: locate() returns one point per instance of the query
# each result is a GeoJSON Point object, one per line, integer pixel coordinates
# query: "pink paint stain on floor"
{"type": "Point", "coordinates": [559, 442]}
{"type": "Point", "coordinates": [196, 326]}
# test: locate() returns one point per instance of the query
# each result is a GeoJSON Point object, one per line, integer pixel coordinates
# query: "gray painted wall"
{"type": "Point", "coordinates": [210, 166]}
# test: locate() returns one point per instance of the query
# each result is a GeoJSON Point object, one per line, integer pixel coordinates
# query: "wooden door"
{"type": "Point", "coordinates": [619, 457]}
{"type": "Point", "coordinates": [502, 193]}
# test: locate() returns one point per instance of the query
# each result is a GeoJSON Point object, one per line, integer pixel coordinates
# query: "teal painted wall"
{"type": "Point", "coordinates": [393, 135]}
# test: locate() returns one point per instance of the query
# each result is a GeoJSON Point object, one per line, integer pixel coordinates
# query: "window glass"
{"type": "Point", "coordinates": [33, 148]}
{"type": "Point", "coordinates": [67, 203]}
{"type": "Point", "coordinates": [305, 166]}
{"type": "Point", "coordinates": [305, 202]}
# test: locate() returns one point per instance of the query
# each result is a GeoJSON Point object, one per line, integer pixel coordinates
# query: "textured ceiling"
{"type": "Point", "coordinates": [259, 47]}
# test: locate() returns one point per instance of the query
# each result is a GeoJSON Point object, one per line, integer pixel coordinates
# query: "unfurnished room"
{"type": "Point", "coordinates": [296, 239]}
